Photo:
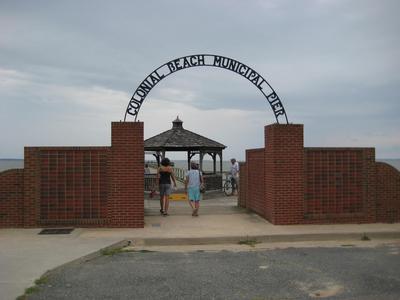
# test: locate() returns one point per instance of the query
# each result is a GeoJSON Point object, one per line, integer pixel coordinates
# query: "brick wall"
{"type": "Point", "coordinates": [339, 185]}
{"type": "Point", "coordinates": [126, 176]}
{"type": "Point", "coordinates": [74, 186]}
{"type": "Point", "coordinates": [11, 198]}
{"type": "Point", "coordinates": [32, 183]}
{"type": "Point", "coordinates": [255, 193]}
{"type": "Point", "coordinates": [85, 186]}
{"type": "Point", "coordinates": [283, 182]}
{"type": "Point", "coordinates": [319, 185]}
{"type": "Point", "coordinates": [387, 193]}
{"type": "Point", "coordinates": [284, 173]}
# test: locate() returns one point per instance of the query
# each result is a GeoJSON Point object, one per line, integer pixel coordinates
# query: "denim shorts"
{"type": "Point", "coordinates": [165, 189]}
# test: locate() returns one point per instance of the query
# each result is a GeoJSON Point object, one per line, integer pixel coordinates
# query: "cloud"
{"type": "Point", "coordinates": [53, 114]}
{"type": "Point", "coordinates": [68, 69]}
{"type": "Point", "coordinates": [95, 98]}
{"type": "Point", "coordinates": [235, 128]}
{"type": "Point", "coordinates": [10, 79]}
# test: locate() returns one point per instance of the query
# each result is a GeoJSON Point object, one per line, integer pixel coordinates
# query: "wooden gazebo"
{"type": "Point", "coordinates": [178, 139]}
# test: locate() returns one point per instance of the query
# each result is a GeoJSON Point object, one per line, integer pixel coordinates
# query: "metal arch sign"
{"type": "Point", "coordinates": [209, 60]}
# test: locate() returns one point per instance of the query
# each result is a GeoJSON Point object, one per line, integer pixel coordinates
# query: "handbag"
{"type": "Point", "coordinates": [202, 188]}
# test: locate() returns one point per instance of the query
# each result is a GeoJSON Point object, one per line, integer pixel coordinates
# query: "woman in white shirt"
{"type": "Point", "coordinates": [193, 181]}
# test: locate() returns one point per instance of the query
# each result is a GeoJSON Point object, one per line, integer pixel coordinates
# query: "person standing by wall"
{"type": "Point", "coordinates": [165, 174]}
{"type": "Point", "coordinates": [234, 176]}
{"type": "Point", "coordinates": [193, 181]}
{"type": "Point", "coordinates": [146, 169]}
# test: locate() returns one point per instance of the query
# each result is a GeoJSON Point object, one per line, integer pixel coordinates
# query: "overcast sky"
{"type": "Point", "coordinates": [69, 68]}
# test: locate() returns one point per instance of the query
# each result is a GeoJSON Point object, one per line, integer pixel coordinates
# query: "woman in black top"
{"type": "Point", "coordinates": [165, 174]}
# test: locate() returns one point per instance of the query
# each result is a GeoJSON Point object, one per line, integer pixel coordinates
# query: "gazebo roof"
{"type": "Point", "coordinates": [180, 139]}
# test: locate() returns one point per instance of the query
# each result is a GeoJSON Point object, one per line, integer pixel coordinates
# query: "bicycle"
{"type": "Point", "coordinates": [228, 187]}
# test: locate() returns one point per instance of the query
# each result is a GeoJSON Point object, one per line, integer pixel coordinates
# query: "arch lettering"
{"type": "Point", "coordinates": [209, 60]}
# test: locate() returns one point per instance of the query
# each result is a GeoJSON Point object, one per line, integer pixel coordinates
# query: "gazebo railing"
{"type": "Point", "coordinates": [150, 182]}
{"type": "Point", "coordinates": [213, 181]}
{"type": "Point", "coordinates": [179, 173]}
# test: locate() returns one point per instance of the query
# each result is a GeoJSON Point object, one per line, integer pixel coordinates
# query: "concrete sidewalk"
{"type": "Point", "coordinates": [25, 255]}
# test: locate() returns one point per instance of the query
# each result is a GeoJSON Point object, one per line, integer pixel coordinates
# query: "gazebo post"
{"type": "Point", "coordinates": [214, 156]}
{"type": "Point", "coordinates": [220, 162]}
{"type": "Point", "coordinates": [201, 160]}
{"type": "Point", "coordinates": [188, 159]}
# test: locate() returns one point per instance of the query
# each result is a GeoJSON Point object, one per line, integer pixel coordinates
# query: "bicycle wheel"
{"type": "Point", "coordinates": [228, 188]}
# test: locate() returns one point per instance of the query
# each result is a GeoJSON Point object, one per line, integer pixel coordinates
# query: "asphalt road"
{"type": "Point", "coordinates": [294, 273]}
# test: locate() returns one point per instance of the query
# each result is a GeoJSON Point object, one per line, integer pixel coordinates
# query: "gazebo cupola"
{"type": "Point", "coordinates": [177, 123]}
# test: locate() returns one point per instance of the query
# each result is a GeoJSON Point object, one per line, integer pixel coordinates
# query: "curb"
{"type": "Point", "coordinates": [263, 238]}
{"type": "Point", "coordinates": [91, 256]}
{"type": "Point", "coordinates": [85, 258]}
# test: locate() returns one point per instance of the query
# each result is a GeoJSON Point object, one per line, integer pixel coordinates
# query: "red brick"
{"type": "Point", "coordinates": [387, 193]}
{"type": "Point", "coordinates": [11, 198]}
{"type": "Point", "coordinates": [126, 200]}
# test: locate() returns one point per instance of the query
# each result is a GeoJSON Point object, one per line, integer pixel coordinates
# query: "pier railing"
{"type": "Point", "coordinates": [179, 173]}
{"type": "Point", "coordinates": [212, 181]}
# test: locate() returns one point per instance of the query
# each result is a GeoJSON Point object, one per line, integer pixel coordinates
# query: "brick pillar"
{"type": "Point", "coordinates": [126, 175]}
{"type": "Point", "coordinates": [11, 198]}
{"type": "Point", "coordinates": [284, 165]}
{"type": "Point", "coordinates": [32, 184]}
{"type": "Point", "coordinates": [370, 185]}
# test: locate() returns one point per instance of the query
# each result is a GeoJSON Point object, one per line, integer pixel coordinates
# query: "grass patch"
{"type": "Point", "coordinates": [111, 252]}
{"type": "Point", "coordinates": [249, 242]}
{"type": "Point", "coordinates": [31, 290]}
{"type": "Point", "coordinates": [365, 237]}
{"type": "Point", "coordinates": [41, 280]}
{"type": "Point", "coordinates": [145, 251]}
{"type": "Point", "coordinates": [35, 288]}
{"type": "Point", "coordinates": [28, 291]}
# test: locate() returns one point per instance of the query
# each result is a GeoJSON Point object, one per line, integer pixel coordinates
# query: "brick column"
{"type": "Point", "coordinates": [32, 184]}
{"type": "Point", "coordinates": [11, 198]}
{"type": "Point", "coordinates": [370, 185]}
{"type": "Point", "coordinates": [284, 165]}
{"type": "Point", "coordinates": [126, 175]}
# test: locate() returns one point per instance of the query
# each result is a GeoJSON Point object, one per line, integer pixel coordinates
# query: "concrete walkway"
{"type": "Point", "coordinates": [25, 255]}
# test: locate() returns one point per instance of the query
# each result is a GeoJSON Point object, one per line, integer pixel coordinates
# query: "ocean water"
{"type": "Point", "coordinates": [226, 165]}
{"type": "Point", "coordinates": [207, 165]}
{"type": "Point", "coordinates": [395, 162]}
{"type": "Point", "coordinates": [6, 164]}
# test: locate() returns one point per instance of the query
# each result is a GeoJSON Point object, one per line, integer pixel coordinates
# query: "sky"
{"type": "Point", "coordinates": [69, 68]}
